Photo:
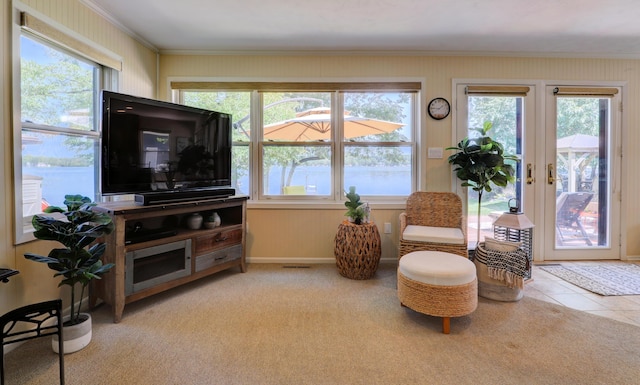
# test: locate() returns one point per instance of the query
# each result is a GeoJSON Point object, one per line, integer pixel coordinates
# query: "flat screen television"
{"type": "Point", "coordinates": [151, 146]}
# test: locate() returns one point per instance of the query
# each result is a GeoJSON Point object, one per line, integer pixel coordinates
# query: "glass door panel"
{"type": "Point", "coordinates": [507, 113]}
{"type": "Point", "coordinates": [580, 183]}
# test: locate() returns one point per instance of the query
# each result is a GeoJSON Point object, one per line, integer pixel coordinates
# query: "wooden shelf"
{"type": "Point", "coordinates": [208, 251]}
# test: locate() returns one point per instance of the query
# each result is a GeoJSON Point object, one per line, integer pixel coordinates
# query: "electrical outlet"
{"type": "Point", "coordinates": [387, 228]}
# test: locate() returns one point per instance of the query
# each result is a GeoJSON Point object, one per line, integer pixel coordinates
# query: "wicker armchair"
{"type": "Point", "coordinates": [433, 221]}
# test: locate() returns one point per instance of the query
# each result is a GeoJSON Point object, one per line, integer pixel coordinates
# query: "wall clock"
{"type": "Point", "coordinates": [439, 108]}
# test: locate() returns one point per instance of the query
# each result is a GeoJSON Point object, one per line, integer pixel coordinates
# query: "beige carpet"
{"type": "Point", "coordinates": [275, 325]}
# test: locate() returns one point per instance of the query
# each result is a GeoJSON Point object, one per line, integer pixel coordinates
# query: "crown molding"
{"type": "Point", "coordinates": [100, 11]}
{"type": "Point", "coordinates": [425, 53]}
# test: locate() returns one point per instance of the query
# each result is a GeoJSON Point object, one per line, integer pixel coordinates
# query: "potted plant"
{"type": "Point", "coordinates": [78, 262]}
{"type": "Point", "coordinates": [480, 161]}
{"type": "Point", "coordinates": [357, 211]}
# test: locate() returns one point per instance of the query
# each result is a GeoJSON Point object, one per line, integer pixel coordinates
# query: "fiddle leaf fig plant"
{"type": "Point", "coordinates": [77, 229]}
{"type": "Point", "coordinates": [355, 210]}
{"type": "Point", "coordinates": [480, 161]}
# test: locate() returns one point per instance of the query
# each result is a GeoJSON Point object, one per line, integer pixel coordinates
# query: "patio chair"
{"type": "Point", "coordinates": [569, 208]}
{"type": "Point", "coordinates": [294, 190]}
{"type": "Point", "coordinates": [433, 221]}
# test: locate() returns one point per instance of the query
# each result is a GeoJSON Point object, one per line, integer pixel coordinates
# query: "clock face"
{"type": "Point", "coordinates": [439, 108]}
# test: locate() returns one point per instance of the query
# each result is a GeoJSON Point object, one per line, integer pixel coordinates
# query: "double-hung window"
{"type": "Point", "coordinates": [312, 141]}
{"type": "Point", "coordinates": [56, 123]}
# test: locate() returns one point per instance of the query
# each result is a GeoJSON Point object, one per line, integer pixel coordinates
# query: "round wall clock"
{"type": "Point", "coordinates": [439, 108]}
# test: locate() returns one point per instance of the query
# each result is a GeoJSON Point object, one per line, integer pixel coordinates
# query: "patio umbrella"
{"type": "Point", "coordinates": [315, 124]}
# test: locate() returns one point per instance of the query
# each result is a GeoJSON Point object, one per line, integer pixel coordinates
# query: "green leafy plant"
{"type": "Point", "coordinates": [480, 161]}
{"type": "Point", "coordinates": [78, 262]}
{"type": "Point", "coordinates": [355, 211]}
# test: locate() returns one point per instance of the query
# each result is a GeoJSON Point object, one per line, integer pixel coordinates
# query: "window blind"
{"type": "Point", "coordinates": [585, 91]}
{"type": "Point", "coordinates": [497, 90]}
{"type": "Point", "coordinates": [296, 86]}
{"type": "Point", "coordinates": [49, 32]}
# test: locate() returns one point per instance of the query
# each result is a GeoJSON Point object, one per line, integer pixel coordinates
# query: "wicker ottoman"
{"type": "Point", "coordinates": [438, 284]}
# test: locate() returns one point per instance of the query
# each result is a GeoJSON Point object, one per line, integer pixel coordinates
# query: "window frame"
{"type": "Point", "coordinates": [105, 78]}
{"type": "Point", "coordinates": [337, 144]}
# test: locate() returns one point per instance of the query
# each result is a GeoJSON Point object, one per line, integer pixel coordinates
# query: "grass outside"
{"type": "Point", "coordinates": [487, 207]}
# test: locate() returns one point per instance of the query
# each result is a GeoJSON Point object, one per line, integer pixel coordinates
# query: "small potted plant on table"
{"type": "Point", "coordinates": [357, 211]}
{"type": "Point", "coordinates": [78, 262]}
{"type": "Point", "coordinates": [357, 245]}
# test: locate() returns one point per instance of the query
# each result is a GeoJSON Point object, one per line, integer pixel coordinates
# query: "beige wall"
{"type": "Point", "coordinates": [139, 74]}
{"type": "Point", "coordinates": [293, 234]}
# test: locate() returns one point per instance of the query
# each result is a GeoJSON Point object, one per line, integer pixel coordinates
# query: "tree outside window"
{"type": "Point", "coordinates": [58, 93]}
{"type": "Point", "coordinates": [299, 160]}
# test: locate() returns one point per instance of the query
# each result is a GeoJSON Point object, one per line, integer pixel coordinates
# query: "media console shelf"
{"type": "Point", "coordinates": [154, 250]}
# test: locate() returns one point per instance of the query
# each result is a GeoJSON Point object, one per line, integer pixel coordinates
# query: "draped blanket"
{"type": "Point", "coordinates": [509, 267]}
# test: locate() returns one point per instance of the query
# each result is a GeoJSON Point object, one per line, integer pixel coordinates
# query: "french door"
{"type": "Point", "coordinates": [567, 179]}
{"type": "Point", "coordinates": [581, 184]}
{"type": "Point", "coordinates": [510, 110]}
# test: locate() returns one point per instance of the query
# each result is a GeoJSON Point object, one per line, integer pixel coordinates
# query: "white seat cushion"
{"type": "Point", "coordinates": [433, 234]}
{"type": "Point", "coordinates": [437, 268]}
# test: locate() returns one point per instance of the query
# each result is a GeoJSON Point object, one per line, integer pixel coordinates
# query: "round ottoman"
{"type": "Point", "coordinates": [438, 284]}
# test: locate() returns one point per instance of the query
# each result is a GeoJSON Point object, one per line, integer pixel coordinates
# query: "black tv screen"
{"type": "Point", "coordinates": [150, 145]}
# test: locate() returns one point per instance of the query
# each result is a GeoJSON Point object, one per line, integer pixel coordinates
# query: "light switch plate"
{"type": "Point", "coordinates": [434, 152]}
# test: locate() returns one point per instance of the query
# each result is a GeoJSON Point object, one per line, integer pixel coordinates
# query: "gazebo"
{"type": "Point", "coordinates": [574, 153]}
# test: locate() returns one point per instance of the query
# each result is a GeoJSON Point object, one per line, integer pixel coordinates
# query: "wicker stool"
{"type": "Point", "coordinates": [438, 284]}
{"type": "Point", "coordinates": [357, 249]}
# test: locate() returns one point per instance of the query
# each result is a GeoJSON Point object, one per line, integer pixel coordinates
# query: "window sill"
{"type": "Point", "coordinates": [317, 205]}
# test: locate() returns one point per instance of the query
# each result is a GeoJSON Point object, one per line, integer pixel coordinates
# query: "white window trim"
{"type": "Point", "coordinates": [418, 180]}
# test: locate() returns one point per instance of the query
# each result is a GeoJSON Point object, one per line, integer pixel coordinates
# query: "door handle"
{"type": "Point", "coordinates": [530, 178]}
{"type": "Point", "coordinates": [551, 174]}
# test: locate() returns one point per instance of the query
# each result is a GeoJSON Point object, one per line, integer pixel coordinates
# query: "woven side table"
{"type": "Point", "coordinates": [357, 249]}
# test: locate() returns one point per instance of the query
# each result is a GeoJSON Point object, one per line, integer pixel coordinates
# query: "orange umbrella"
{"type": "Point", "coordinates": [315, 124]}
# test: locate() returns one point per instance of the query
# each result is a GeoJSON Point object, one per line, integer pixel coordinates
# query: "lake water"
{"type": "Point", "coordinates": [368, 180]}
{"type": "Point", "coordinates": [59, 181]}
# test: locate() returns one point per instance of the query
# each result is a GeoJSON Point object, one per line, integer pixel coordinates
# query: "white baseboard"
{"type": "Point", "coordinates": [632, 258]}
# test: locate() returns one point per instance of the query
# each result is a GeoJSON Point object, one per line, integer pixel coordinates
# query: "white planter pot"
{"type": "Point", "coordinates": [194, 221]}
{"type": "Point", "coordinates": [75, 337]}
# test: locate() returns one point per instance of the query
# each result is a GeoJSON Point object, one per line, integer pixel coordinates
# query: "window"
{"type": "Point", "coordinates": [58, 94]}
{"type": "Point", "coordinates": [297, 133]}
{"type": "Point", "coordinates": [237, 103]}
{"type": "Point", "coordinates": [379, 162]}
{"type": "Point", "coordinates": [313, 141]}
{"type": "Point", "coordinates": [56, 121]}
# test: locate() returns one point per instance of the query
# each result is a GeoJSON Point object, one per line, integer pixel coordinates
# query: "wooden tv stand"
{"type": "Point", "coordinates": [153, 249]}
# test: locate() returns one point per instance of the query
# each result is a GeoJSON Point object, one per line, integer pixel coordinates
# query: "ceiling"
{"type": "Point", "coordinates": [584, 28]}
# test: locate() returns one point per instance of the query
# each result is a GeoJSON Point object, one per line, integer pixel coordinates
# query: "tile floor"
{"type": "Point", "coordinates": [548, 287]}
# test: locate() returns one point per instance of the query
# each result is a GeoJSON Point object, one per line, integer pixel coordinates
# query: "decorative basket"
{"type": "Point", "coordinates": [492, 288]}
